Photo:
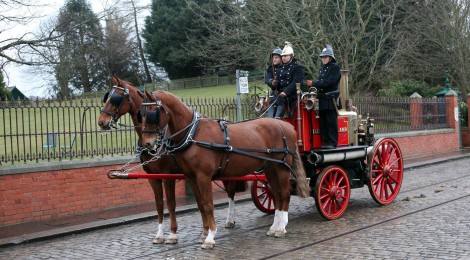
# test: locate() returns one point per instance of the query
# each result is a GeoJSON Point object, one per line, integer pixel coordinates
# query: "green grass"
{"type": "Point", "coordinates": [218, 91]}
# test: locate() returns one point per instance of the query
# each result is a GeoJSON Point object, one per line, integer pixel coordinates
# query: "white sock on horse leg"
{"type": "Point", "coordinates": [172, 236]}
{"type": "Point", "coordinates": [210, 236]}
{"type": "Point", "coordinates": [276, 220]}
{"type": "Point", "coordinates": [231, 211]}
{"type": "Point", "coordinates": [284, 219]}
{"type": "Point", "coordinates": [160, 231]}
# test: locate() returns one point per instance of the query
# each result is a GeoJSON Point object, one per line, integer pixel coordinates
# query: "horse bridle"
{"type": "Point", "coordinates": [152, 117]}
{"type": "Point", "coordinates": [117, 100]}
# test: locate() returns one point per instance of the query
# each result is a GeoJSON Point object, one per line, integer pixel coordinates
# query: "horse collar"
{"type": "Point", "coordinates": [187, 140]}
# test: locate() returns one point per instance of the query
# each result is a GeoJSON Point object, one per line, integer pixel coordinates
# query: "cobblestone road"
{"type": "Point", "coordinates": [430, 219]}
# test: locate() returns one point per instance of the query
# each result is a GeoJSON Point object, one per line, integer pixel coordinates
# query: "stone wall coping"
{"type": "Point", "coordinates": [415, 133]}
{"type": "Point", "coordinates": [64, 165]}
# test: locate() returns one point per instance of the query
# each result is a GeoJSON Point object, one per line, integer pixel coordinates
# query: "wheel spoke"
{"type": "Point", "coordinates": [326, 203]}
{"type": "Point", "coordinates": [389, 155]}
{"type": "Point", "coordinates": [383, 153]}
{"type": "Point", "coordinates": [334, 176]}
{"type": "Point", "coordinates": [395, 161]}
{"type": "Point", "coordinates": [269, 203]}
{"type": "Point", "coordinates": [393, 178]}
{"type": "Point", "coordinates": [263, 193]}
{"type": "Point", "coordinates": [338, 206]}
{"type": "Point", "coordinates": [381, 184]}
{"type": "Point", "coordinates": [391, 187]}
{"type": "Point", "coordinates": [385, 187]}
{"type": "Point", "coordinates": [340, 181]}
{"type": "Point", "coordinates": [377, 162]}
{"type": "Point", "coordinates": [324, 195]}
{"type": "Point", "coordinates": [377, 179]}
{"type": "Point", "coordinates": [264, 199]}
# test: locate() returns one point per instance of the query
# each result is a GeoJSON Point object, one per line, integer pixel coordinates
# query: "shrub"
{"type": "Point", "coordinates": [405, 88]}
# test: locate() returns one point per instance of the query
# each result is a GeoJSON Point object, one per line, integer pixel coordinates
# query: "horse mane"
{"type": "Point", "coordinates": [169, 98]}
{"type": "Point", "coordinates": [118, 81]}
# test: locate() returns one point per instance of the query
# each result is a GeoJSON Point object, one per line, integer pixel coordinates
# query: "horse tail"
{"type": "Point", "coordinates": [298, 170]}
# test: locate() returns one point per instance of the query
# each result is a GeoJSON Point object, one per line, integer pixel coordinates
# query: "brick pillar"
{"type": "Point", "coordinates": [451, 108]}
{"type": "Point", "coordinates": [468, 111]}
{"type": "Point", "coordinates": [416, 110]}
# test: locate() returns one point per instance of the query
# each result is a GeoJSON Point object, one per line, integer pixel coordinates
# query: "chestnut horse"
{"type": "Point", "coordinates": [125, 98]}
{"type": "Point", "coordinates": [206, 148]}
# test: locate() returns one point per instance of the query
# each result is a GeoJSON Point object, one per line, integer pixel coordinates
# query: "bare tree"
{"type": "Point", "coordinates": [358, 30]}
{"type": "Point", "coordinates": [130, 11]}
{"type": "Point", "coordinates": [14, 47]}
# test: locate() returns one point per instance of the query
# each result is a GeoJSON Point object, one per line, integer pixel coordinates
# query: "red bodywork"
{"type": "Point", "coordinates": [309, 132]}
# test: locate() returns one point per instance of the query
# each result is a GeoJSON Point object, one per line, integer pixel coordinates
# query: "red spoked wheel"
{"type": "Point", "coordinates": [262, 196]}
{"type": "Point", "coordinates": [385, 171]}
{"type": "Point", "coordinates": [332, 191]}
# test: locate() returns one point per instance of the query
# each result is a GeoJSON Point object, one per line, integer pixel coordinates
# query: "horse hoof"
{"type": "Point", "coordinates": [270, 233]}
{"type": "Point", "coordinates": [202, 239]}
{"type": "Point", "coordinates": [171, 241]}
{"type": "Point", "coordinates": [207, 245]}
{"type": "Point", "coordinates": [280, 233]}
{"type": "Point", "coordinates": [230, 224]}
{"type": "Point", "coordinates": [159, 240]}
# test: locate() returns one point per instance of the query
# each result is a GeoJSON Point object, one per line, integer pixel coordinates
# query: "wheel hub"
{"type": "Point", "coordinates": [335, 192]}
{"type": "Point", "coordinates": [387, 171]}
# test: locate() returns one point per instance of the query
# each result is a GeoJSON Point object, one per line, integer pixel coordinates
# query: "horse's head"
{"type": "Point", "coordinates": [154, 118]}
{"type": "Point", "coordinates": [116, 103]}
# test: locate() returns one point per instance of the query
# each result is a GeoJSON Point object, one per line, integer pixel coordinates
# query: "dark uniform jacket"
{"type": "Point", "coordinates": [289, 75]}
{"type": "Point", "coordinates": [327, 81]}
{"type": "Point", "coordinates": [270, 76]}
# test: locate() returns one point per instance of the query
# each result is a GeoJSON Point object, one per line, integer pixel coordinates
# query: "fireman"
{"type": "Point", "coordinates": [327, 83]}
{"type": "Point", "coordinates": [289, 73]}
{"type": "Point", "coordinates": [272, 70]}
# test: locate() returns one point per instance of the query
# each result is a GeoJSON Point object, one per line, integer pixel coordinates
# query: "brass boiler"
{"type": "Point", "coordinates": [310, 99]}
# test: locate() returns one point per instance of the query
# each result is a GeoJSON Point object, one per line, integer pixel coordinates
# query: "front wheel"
{"type": "Point", "coordinates": [385, 171]}
{"type": "Point", "coordinates": [262, 197]}
{"type": "Point", "coordinates": [332, 192]}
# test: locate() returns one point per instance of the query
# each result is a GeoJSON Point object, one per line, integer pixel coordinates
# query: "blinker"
{"type": "Point", "coordinates": [105, 97]}
{"type": "Point", "coordinates": [116, 99]}
{"type": "Point", "coordinates": [153, 117]}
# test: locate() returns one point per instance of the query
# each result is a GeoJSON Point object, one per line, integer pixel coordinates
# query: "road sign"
{"type": "Point", "coordinates": [243, 81]}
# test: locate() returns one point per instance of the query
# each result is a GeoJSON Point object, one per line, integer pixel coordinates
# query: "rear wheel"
{"type": "Point", "coordinates": [385, 171]}
{"type": "Point", "coordinates": [332, 191]}
{"type": "Point", "coordinates": [262, 197]}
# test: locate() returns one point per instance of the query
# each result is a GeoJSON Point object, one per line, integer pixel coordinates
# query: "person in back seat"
{"type": "Point", "coordinates": [290, 73]}
{"type": "Point", "coordinates": [271, 78]}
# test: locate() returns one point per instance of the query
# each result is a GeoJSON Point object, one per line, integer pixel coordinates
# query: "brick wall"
{"type": "Point", "coordinates": [43, 195]}
{"type": "Point", "coordinates": [418, 144]}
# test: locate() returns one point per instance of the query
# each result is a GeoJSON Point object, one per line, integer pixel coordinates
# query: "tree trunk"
{"type": "Point", "coordinates": [139, 44]}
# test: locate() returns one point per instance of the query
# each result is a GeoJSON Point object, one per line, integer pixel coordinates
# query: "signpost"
{"type": "Point", "coordinates": [242, 88]}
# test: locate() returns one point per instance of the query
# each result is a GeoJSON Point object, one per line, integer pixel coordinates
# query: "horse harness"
{"type": "Point", "coordinates": [225, 147]}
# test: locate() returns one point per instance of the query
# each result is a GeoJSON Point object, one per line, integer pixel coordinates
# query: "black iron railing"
{"type": "Point", "coordinates": [397, 114]}
{"type": "Point", "coordinates": [54, 130]}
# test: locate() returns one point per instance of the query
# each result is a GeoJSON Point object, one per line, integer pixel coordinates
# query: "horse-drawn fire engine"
{"type": "Point", "coordinates": [357, 161]}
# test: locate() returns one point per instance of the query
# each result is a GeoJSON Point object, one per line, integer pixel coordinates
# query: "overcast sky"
{"type": "Point", "coordinates": [21, 76]}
